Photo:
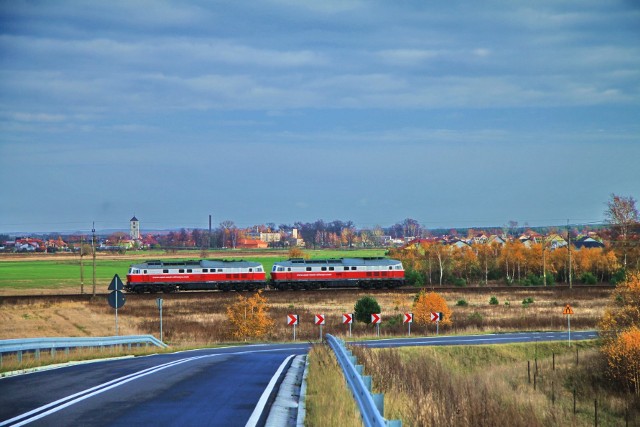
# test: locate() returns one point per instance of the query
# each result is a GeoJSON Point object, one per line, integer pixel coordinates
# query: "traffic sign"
{"type": "Point", "coordinates": [347, 318]}
{"type": "Point", "coordinates": [116, 284]}
{"type": "Point", "coordinates": [408, 318]}
{"type": "Point", "coordinates": [436, 317]}
{"type": "Point", "coordinates": [567, 310]}
{"type": "Point", "coordinates": [319, 320]}
{"type": "Point", "coordinates": [375, 318]}
{"type": "Point", "coordinates": [292, 319]}
{"type": "Point", "coordinates": [116, 299]}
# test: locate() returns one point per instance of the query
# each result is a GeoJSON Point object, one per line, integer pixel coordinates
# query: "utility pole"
{"type": "Point", "coordinates": [93, 249]}
{"type": "Point", "coordinates": [82, 263]}
{"type": "Point", "coordinates": [209, 239]}
{"type": "Point", "coordinates": [544, 262]}
{"type": "Point", "coordinates": [569, 249]}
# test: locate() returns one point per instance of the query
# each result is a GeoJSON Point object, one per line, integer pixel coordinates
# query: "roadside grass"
{"type": "Point", "coordinates": [329, 402]}
{"type": "Point", "coordinates": [489, 385]}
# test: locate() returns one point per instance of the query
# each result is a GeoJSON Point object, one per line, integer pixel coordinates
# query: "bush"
{"type": "Point", "coordinates": [460, 282]}
{"type": "Point", "coordinates": [588, 278]}
{"type": "Point", "coordinates": [527, 301]}
{"type": "Point", "coordinates": [414, 278]}
{"type": "Point", "coordinates": [619, 276]}
{"type": "Point", "coordinates": [462, 303]}
{"type": "Point", "coordinates": [506, 303]}
{"type": "Point", "coordinates": [493, 301]}
{"type": "Point", "coordinates": [533, 280]}
{"type": "Point", "coordinates": [364, 308]}
{"type": "Point", "coordinates": [549, 280]}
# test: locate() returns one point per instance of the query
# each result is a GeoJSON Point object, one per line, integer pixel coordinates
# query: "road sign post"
{"type": "Point", "coordinates": [376, 319]}
{"type": "Point", "coordinates": [319, 320]}
{"type": "Point", "coordinates": [292, 320]}
{"type": "Point", "coordinates": [116, 297]}
{"type": "Point", "coordinates": [568, 311]}
{"type": "Point", "coordinates": [348, 318]}
{"type": "Point", "coordinates": [437, 317]}
{"type": "Point", "coordinates": [159, 303]}
{"type": "Point", "coordinates": [408, 319]}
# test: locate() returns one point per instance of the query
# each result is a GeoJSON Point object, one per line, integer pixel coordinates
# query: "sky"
{"type": "Point", "coordinates": [455, 114]}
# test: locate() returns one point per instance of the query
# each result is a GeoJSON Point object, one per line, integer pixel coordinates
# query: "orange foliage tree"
{"type": "Point", "coordinates": [620, 330]}
{"type": "Point", "coordinates": [623, 358]}
{"type": "Point", "coordinates": [249, 317]}
{"type": "Point", "coordinates": [427, 302]}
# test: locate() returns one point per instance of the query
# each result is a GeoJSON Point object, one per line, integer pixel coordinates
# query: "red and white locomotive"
{"type": "Point", "coordinates": [171, 276]}
{"type": "Point", "coordinates": [367, 273]}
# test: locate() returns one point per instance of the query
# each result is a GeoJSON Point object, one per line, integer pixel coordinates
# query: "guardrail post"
{"type": "Point", "coordinates": [20, 356]}
{"type": "Point", "coordinates": [53, 352]}
{"type": "Point", "coordinates": [37, 354]}
{"type": "Point", "coordinates": [378, 399]}
{"type": "Point", "coordinates": [366, 379]}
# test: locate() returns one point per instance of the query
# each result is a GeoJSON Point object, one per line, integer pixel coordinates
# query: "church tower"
{"type": "Point", "coordinates": [134, 228]}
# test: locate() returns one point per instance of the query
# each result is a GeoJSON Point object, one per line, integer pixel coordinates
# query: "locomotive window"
{"type": "Point", "coordinates": [331, 268]}
{"type": "Point", "coordinates": [189, 270]}
{"type": "Point", "coordinates": [251, 270]}
{"type": "Point", "coordinates": [308, 268]}
{"type": "Point", "coordinates": [165, 271]}
{"type": "Point", "coordinates": [390, 267]}
{"type": "Point", "coordinates": [145, 272]}
{"type": "Point", "coordinates": [288, 268]}
{"type": "Point", "coordinates": [275, 267]}
{"type": "Point", "coordinates": [354, 268]}
{"type": "Point", "coordinates": [346, 268]}
{"type": "Point", "coordinates": [205, 270]}
{"type": "Point", "coordinates": [181, 270]}
{"type": "Point", "coordinates": [219, 270]}
{"type": "Point", "coordinates": [259, 269]}
{"type": "Point", "coordinates": [323, 268]}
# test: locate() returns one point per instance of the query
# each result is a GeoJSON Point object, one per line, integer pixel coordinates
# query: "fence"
{"type": "Point", "coordinates": [371, 405]}
{"type": "Point", "coordinates": [36, 345]}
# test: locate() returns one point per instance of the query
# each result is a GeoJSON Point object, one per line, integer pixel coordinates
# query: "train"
{"type": "Point", "coordinates": [240, 275]}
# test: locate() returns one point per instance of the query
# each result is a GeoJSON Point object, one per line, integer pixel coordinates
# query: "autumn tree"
{"type": "Point", "coordinates": [296, 252]}
{"type": "Point", "coordinates": [620, 330]}
{"type": "Point", "coordinates": [622, 215]}
{"type": "Point", "coordinates": [427, 302]}
{"type": "Point", "coordinates": [249, 317]}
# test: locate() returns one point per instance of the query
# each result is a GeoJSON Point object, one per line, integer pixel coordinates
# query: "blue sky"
{"type": "Point", "coordinates": [453, 113]}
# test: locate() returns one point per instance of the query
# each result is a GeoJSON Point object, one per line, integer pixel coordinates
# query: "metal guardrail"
{"type": "Point", "coordinates": [371, 405]}
{"type": "Point", "coordinates": [36, 345]}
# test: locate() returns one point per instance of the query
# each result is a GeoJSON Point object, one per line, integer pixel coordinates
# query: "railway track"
{"type": "Point", "coordinates": [12, 299]}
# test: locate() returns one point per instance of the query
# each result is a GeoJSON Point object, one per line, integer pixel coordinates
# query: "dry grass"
{"type": "Point", "coordinates": [329, 401]}
{"type": "Point", "coordinates": [488, 385]}
{"type": "Point", "coordinates": [199, 318]}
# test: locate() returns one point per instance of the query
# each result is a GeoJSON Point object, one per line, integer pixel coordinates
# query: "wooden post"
{"type": "Point", "coordinates": [595, 407]}
{"type": "Point", "coordinates": [554, 361]}
{"type": "Point", "coordinates": [574, 401]}
{"type": "Point", "coordinates": [529, 370]}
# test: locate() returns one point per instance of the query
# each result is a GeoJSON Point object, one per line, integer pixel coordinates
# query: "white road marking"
{"type": "Point", "coordinates": [255, 415]}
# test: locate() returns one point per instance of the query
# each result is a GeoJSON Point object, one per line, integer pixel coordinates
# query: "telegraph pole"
{"type": "Point", "coordinates": [569, 248]}
{"type": "Point", "coordinates": [82, 264]}
{"type": "Point", "coordinates": [209, 239]}
{"type": "Point", "coordinates": [93, 249]}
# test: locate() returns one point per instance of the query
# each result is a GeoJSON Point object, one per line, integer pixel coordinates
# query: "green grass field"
{"type": "Point", "coordinates": [65, 273]}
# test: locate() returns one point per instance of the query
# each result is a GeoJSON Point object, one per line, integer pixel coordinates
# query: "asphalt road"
{"type": "Point", "coordinates": [212, 387]}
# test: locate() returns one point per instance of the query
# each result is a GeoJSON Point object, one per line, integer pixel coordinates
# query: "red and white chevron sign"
{"type": "Point", "coordinates": [292, 319]}
{"type": "Point", "coordinates": [408, 318]}
{"type": "Point", "coordinates": [319, 319]}
{"type": "Point", "coordinates": [375, 318]}
{"type": "Point", "coordinates": [436, 317]}
{"type": "Point", "coordinates": [347, 318]}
